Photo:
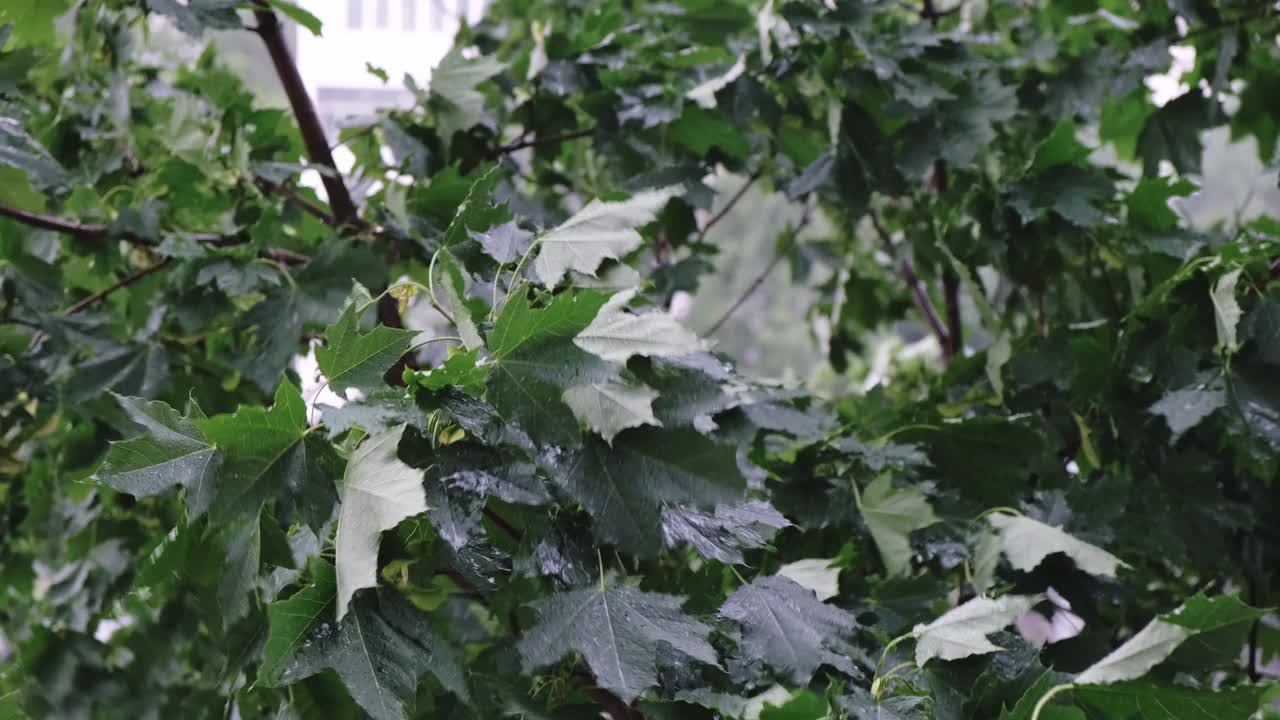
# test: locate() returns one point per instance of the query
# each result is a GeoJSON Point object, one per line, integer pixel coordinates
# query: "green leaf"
{"type": "Point", "coordinates": [1226, 311]}
{"type": "Point", "coordinates": [803, 705]}
{"type": "Point", "coordinates": [379, 650]}
{"type": "Point", "coordinates": [1173, 133]}
{"type": "Point", "coordinates": [505, 243]}
{"type": "Point", "coordinates": [723, 534]}
{"type": "Point", "coordinates": [454, 286]}
{"type": "Point", "coordinates": [20, 150]}
{"type": "Point", "coordinates": [1026, 543]}
{"type": "Point", "coordinates": [598, 232]}
{"type": "Point", "coordinates": [962, 631]}
{"type": "Point", "coordinates": [171, 452]}
{"type": "Point", "coordinates": [266, 452]}
{"type": "Point", "coordinates": [350, 358]}
{"type": "Point", "coordinates": [1185, 408]}
{"type": "Point", "coordinates": [378, 491]}
{"type": "Point", "coordinates": [297, 14]}
{"type": "Point", "coordinates": [535, 361]}
{"type": "Point", "coordinates": [701, 130]}
{"type": "Point", "coordinates": [459, 106]}
{"type": "Point", "coordinates": [616, 334]}
{"type": "Point", "coordinates": [1145, 699]}
{"type": "Point", "coordinates": [610, 408]}
{"type": "Point", "coordinates": [787, 628]}
{"type": "Point", "coordinates": [1148, 204]}
{"type": "Point", "coordinates": [892, 514]}
{"type": "Point", "coordinates": [1160, 637]}
{"type": "Point", "coordinates": [625, 487]}
{"type": "Point", "coordinates": [1060, 148]}
{"type": "Point", "coordinates": [617, 631]}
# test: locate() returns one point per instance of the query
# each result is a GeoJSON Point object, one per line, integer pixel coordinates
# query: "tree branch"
{"type": "Point", "coordinates": [344, 209]}
{"type": "Point", "coordinates": [538, 141]}
{"type": "Point", "coordinates": [123, 282]}
{"type": "Point", "coordinates": [101, 231]}
{"type": "Point", "coordinates": [312, 208]}
{"type": "Point", "coordinates": [728, 206]}
{"type": "Point", "coordinates": [951, 301]}
{"type": "Point", "coordinates": [908, 274]}
{"type": "Point", "coordinates": [755, 284]}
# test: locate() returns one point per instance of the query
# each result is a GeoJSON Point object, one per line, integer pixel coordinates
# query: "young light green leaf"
{"type": "Point", "coordinates": [1160, 637]}
{"type": "Point", "coordinates": [1027, 542]}
{"type": "Point", "coordinates": [350, 358]}
{"type": "Point", "coordinates": [787, 628]}
{"type": "Point", "coordinates": [170, 453]}
{"type": "Point", "coordinates": [458, 104]}
{"type": "Point", "coordinates": [610, 408]}
{"type": "Point", "coordinates": [377, 492]}
{"type": "Point", "coordinates": [291, 10]}
{"type": "Point", "coordinates": [1226, 311]}
{"type": "Point", "coordinates": [617, 631]}
{"type": "Point", "coordinates": [962, 631]}
{"type": "Point", "coordinates": [615, 334]}
{"type": "Point", "coordinates": [454, 285]}
{"type": "Point", "coordinates": [814, 574]}
{"type": "Point", "coordinates": [598, 232]}
{"type": "Point", "coordinates": [892, 514]}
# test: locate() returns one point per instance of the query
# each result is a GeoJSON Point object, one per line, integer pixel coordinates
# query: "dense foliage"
{"type": "Point", "coordinates": [571, 505]}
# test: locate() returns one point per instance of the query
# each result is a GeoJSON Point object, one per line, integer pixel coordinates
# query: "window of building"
{"type": "Point", "coordinates": [437, 14]}
{"type": "Point", "coordinates": [410, 15]}
{"type": "Point", "coordinates": [355, 14]}
{"type": "Point", "coordinates": [382, 13]}
{"type": "Point", "coordinates": [462, 10]}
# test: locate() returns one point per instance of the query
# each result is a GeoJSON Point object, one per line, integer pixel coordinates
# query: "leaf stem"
{"type": "Point", "coordinates": [1044, 701]}
{"type": "Point", "coordinates": [885, 653]}
{"type": "Point", "coordinates": [999, 509]}
{"type": "Point", "coordinates": [879, 684]}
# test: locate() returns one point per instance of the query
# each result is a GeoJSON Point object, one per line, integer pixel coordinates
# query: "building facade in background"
{"type": "Point", "coordinates": [397, 36]}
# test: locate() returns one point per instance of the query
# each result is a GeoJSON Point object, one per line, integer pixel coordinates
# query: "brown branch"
{"type": "Point", "coordinates": [951, 301]}
{"type": "Point", "coordinates": [953, 342]}
{"type": "Point", "coordinates": [123, 282]}
{"type": "Point", "coordinates": [918, 293]}
{"type": "Point", "coordinates": [728, 206]}
{"type": "Point", "coordinates": [759, 280]}
{"type": "Point", "coordinates": [344, 209]}
{"type": "Point", "coordinates": [100, 231]}
{"type": "Point", "coordinates": [312, 208]}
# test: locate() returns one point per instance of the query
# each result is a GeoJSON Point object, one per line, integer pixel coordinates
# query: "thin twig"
{"type": "Point", "coordinates": [523, 143]}
{"type": "Point", "coordinates": [123, 282]}
{"type": "Point", "coordinates": [304, 111]}
{"type": "Point", "coordinates": [759, 280]}
{"type": "Point", "coordinates": [908, 274]}
{"type": "Point", "coordinates": [728, 206]}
